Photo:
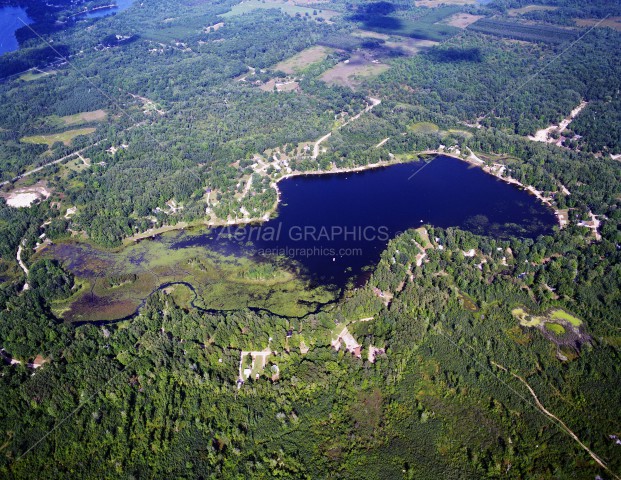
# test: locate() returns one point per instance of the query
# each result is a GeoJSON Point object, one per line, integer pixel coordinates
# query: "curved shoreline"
{"type": "Point", "coordinates": [274, 184]}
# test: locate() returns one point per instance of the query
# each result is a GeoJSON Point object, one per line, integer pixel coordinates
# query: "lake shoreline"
{"type": "Point", "coordinates": [152, 233]}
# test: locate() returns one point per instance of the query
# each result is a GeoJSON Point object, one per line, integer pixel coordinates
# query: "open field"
{"type": "Point", "coordinates": [370, 34]}
{"type": "Point", "coordinates": [395, 44]}
{"type": "Point", "coordinates": [409, 46]}
{"type": "Point", "coordinates": [525, 319]}
{"type": "Point", "coordinates": [35, 74]}
{"type": "Point", "coordinates": [563, 315]}
{"type": "Point", "coordinates": [555, 328]}
{"type": "Point", "coordinates": [84, 117]}
{"type": "Point", "coordinates": [559, 327]}
{"type": "Point", "coordinates": [437, 3]}
{"type": "Point", "coordinates": [427, 27]}
{"type": "Point", "coordinates": [281, 86]}
{"type": "Point", "coordinates": [113, 284]}
{"type": "Point", "coordinates": [611, 22]}
{"type": "Point", "coordinates": [514, 12]}
{"type": "Point", "coordinates": [306, 57]}
{"type": "Point", "coordinates": [424, 127]}
{"type": "Point", "coordinates": [64, 137]}
{"type": "Point", "coordinates": [351, 72]}
{"type": "Point", "coordinates": [461, 20]}
{"type": "Point", "coordinates": [287, 7]}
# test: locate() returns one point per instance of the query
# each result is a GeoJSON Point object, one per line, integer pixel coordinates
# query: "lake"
{"type": "Point", "coordinates": [104, 12]}
{"type": "Point", "coordinates": [9, 23]}
{"type": "Point", "coordinates": [335, 225]}
{"type": "Point", "coordinates": [328, 230]}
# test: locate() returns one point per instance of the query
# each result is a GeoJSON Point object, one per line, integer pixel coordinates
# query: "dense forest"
{"type": "Point", "coordinates": [462, 356]}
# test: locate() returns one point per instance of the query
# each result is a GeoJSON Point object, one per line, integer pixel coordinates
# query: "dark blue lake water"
{"type": "Point", "coordinates": [9, 23]}
{"type": "Point", "coordinates": [104, 12]}
{"type": "Point", "coordinates": [335, 225]}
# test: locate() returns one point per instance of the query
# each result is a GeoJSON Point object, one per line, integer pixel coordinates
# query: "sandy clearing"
{"type": "Point", "coordinates": [25, 196]}
{"type": "Point", "coordinates": [543, 135]}
{"type": "Point", "coordinates": [21, 200]}
{"type": "Point", "coordinates": [374, 352]}
{"type": "Point", "coordinates": [214, 28]}
{"type": "Point", "coordinates": [351, 345]}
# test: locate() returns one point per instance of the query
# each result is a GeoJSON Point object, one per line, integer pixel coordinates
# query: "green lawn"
{"type": "Point", "coordinates": [555, 328]}
{"type": "Point", "coordinates": [563, 315]}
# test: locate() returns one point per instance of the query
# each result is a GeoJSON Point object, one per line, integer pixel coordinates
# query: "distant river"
{"type": "Point", "coordinates": [9, 23]}
{"type": "Point", "coordinates": [335, 225]}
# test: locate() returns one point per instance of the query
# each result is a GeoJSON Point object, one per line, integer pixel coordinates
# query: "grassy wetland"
{"type": "Point", "coordinates": [112, 284]}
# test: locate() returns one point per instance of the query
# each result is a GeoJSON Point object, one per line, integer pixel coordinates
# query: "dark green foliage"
{"type": "Point", "coordinates": [157, 396]}
{"type": "Point", "coordinates": [50, 280]}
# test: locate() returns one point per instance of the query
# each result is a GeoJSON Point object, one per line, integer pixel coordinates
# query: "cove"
{"type": "Point", "coordinates": [9, 23]}
{"type": "Point", "coordinates": [334, 225]}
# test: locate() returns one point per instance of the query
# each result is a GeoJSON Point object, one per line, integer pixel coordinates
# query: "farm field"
{"type": "Point", "coordinates": [523, 31]}
{"type": "Point", "coordinates": [289, 8]}
{"type": "Point", "coordinates": [428, 27]}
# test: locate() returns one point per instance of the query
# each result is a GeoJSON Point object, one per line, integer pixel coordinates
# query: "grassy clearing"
{"type": "Point", "coordinates": [563, 315]}
{"type": "Point", "coordinates": [369, 34]}
{"type": "Point", "coordinates": [514, 12]}
{"type": "Point", "coordinates": [181, 294]}
{"type": "Point", "coordinates": [461, 20]}
{"type": "Point", "coordinates": [611, 22]}
{"type": "Point", "coordinates": [220, 282]}
{"type": "Point", "coordinates": [302, 60]}
{"type": "Point", "coordinates": [424, 127]}
{"type": "Point", "coordinates": [351, 73]}
{"type": "Point", "coordinates": [288, 8]}
{"type": "Point", "coordinates": [524, 318]}
{"type": "Point", "coordinates": [84, 117]}
{"type": "Point", "coordinates": [64, 137]}
{"type": "Point", "coordinates": [469, 304]}
{"type": "Point", "coordinates": [555, 328]}
{"type": "Point", "coordinates": [76, 165]}
{"type": "Point", "coordinates": [462, 133]}
{"type": "Point", "coordinates": [35, 74]}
